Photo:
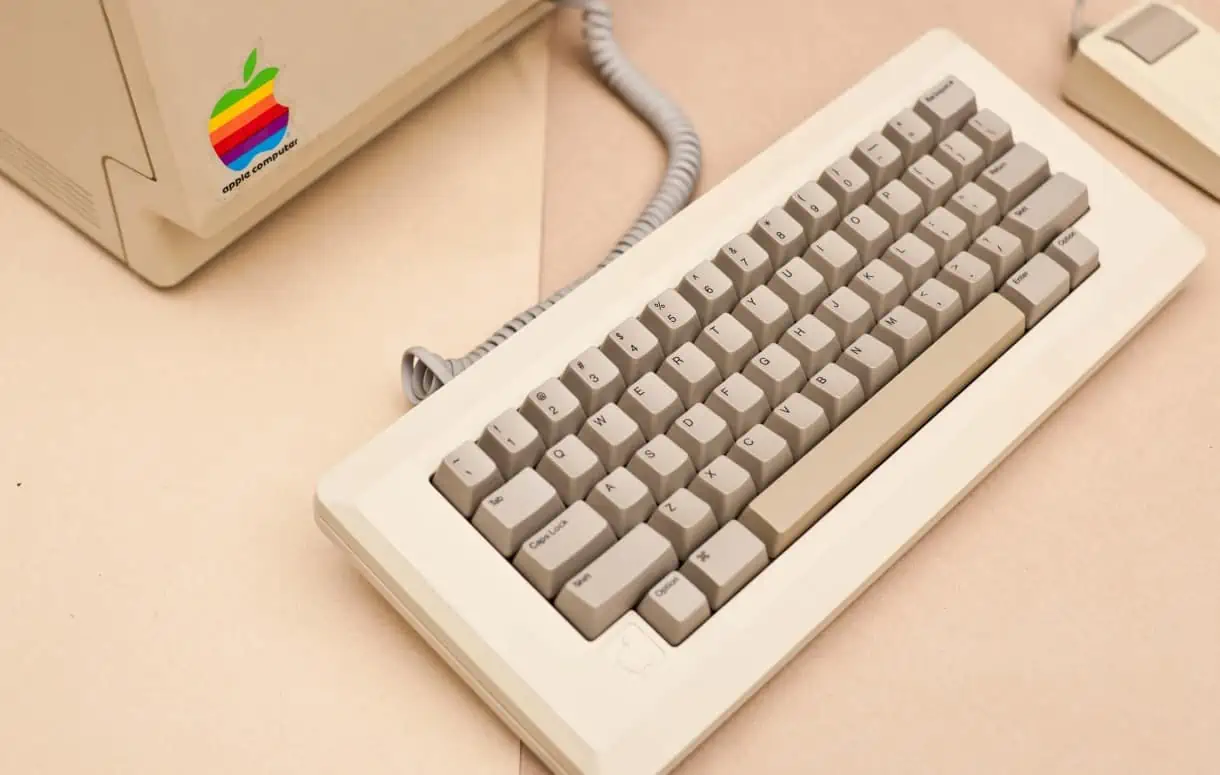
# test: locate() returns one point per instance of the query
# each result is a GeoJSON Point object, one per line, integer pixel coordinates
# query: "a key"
{"type": "Point", "coordinates": [690, 372]}
{"type": "Point", "coordinates": [913, 259]}
{"type": "Point", "coordinates": [867, 232]}
{"type": "Point", "coordinates": [945, 232]}
{"type": "Point", "coordinates": [899, 206]}
{"type": "Point", "coordinates": [1001, 251]}
{"type": "Point", "coordinates": [745, 262]}
{"type": "Point", "coordinates": [871, 362]}
{"type": "Point", "coordinates": [702, 434]}
{"type": "Point", "coordinates": [633, 349]}
{"type": "Point", "coordinates": [961, 156]}
{"type": "Point", "coordinates": [685, 521]}
{"type": "Point", "coordinates": [615, 582]}
{"type": "Point", "coordinates": [594, 380]}
{"type": "Point", "coordinates": [879, 158]}
{"type": "Point", "coordinates": [847, 183]}
{"type": "Point", "coordinates": [1076, 253]}
{"type": "Point", "coordinates": [847, 314]}
{"type": "Point", "coordinates": [977, 208]}
{"type": "Point", "coordinates": [652, 403]}
{"type": "Point", "coordinates": [740, 402]}
{"type": "Point", "coordinates": [800, 422]}
{"type": "Point", "coordinates": [930, 181]}
{"type": "Point", "coordinates": [612, 435]}
{"type": "Point", "coordinates": [904, 332]}
{"type": "Point", "coordinates": [807, 491]}
{"type": "Point", "coordinates": [764, 314]}
{"type": "Point", "coordinates": [571, 468]}
{"type": "Point", "coordinates": [662, 466]}
{"type": "Point", "coordinates": [814, 208]}
{"type": "Point", "coordinates": [511, 442]}
{"type": "Point", "coordinates": [516, 510]}
{"type": "Point", "coordinates": [834, 258]}
{"type": "Point", "coordinates": [725, 486]}
{"type": "Point", "coordinates": [800, 286]}
{"type": "Point", "coordinates": [946, 106]}
{"type": "Point", "coordinates": [837, 391]}
{"type": "Point", "coordinates": [553, 410]}
{"type": "Point", "coordinates": [970, 276]}
{"type": "Point", "coordinates": [671, 319]}
{"type": "Point", "coordinates": [1048, 211]}
{"type": "Point", "coordinates": [725, 563]}
{"type": "Point", "coordinates": [880, 285]}
{"type": "Point", "coordinates": [781, 235]}
{"type": "Point", "coordinates": [777, 372]}
{"type": "Point", "coordinates": [910, 134]}
{"type": "Point", "coordinates": [1037, 288]}
{"type": "Point", "coordinates": [989, 132]}
{"type": "Point", "coordinates": [728, 343]}
{"type": "Point", "coordinates": [622, 500]}
{"type": "Point", "coordinates": [568, 543]}
{"type": "Point", "coordinates": [708, 290]}
{"type": "Point", "coordinates": [812, 343]}
{"type": "Point", "coordinates": [675, 608]}
{"type": "Point", "coordinates": [466, 476]}
{"type": "Point", "coordinates": [938, 304]}
{"type": "Point", "coordinates": [1015, 175]}
{"type": "Point", "coordinates": [763, 453]}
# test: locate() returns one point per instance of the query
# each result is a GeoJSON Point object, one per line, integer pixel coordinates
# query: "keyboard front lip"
{"type": "Point", "coordinates": [572, 692]}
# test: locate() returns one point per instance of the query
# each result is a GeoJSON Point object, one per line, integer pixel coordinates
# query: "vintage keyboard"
{"type": "Point", "coordinates": [620, 523]}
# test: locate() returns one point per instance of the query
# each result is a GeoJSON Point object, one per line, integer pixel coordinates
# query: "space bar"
{"type": "Point", "coordinates": [810, 488]}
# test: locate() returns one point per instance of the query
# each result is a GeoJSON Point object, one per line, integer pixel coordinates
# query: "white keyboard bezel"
{"type": "Point", "coordinates": [585, 707]}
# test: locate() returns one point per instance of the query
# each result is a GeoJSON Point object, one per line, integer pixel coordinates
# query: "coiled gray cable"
{"type": "Point", "coordinates": [1079, 28]}
{"type": "Point", "coordinates": [423, 371]}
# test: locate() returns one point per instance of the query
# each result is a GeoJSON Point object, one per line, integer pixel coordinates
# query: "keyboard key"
{"type": "Point", "coordinates": [568, 543]}
{"type": "Point", "coordinates": [989, 132]}
{"type": "Point", "coordinates": [867, 232]}
{"type": "Point", "coordinates": [745, 262]}
{"type": "Point", "coordinates": [728, 343]}
{"type": "Point", "coordinates": [871, 362]}
{"type": "Point", "coordinates": [1076, 253]}
{"type": "Point", "coordinates": [594, 380]}
{"type": "Point", "coordinates": [946, 106]}
{"type": "Point", "coordinates": [571, 468]}
{"type": "Point", "coordinates": [812, 343]}
{"type": "Point", "coordinates": [976, 207]}
{"type": "Point", "coordinates": [879, 158]}
{"type": "Point", "coordinates": [781, 235]}
{"type": "Point", "coordinates": [725, 563]}
{"type": "Point", "coordinates": [553, 410]}
{"type": "Point", "coordinates": [1048, 211]}
{"type": "Point", "coordinates": [930, 181]}
{"type": "Point", "coordinates": [834, 258]}
{"type": "Point", "coordinates": [702, 434]}
{"type": "Point", "coordinates": [763, 454]}
{"type": "Point", "coordinates": [615, 582]}
{"type": "Point", "coordinates": [777, 372]}
{"type": "Point", "coordinates": [970, 276]}
{"type": "Point", "coordinates": [904, 332]}
{"type": "Point", "coordinates": [847, 314]}
{"type": "Point", "coordinates": [671, 319]}
{"type": "Point", "coordinates": [691, 373]}
{"type": "Point", "coordinates": [1037, 288]}
{"type": "Point", "coordinates": [653, 405]}
{"type": "Point", "coordinates": [938, 304]}
{"type": "Point", "coordinates": [847, 183]}
{"type": "Point", "coordinates": [466, 476]}
{"type": "Point", "coordinates": [1015, 176]}
{"type": "Point", "coordinates": [633, 349]}
{"type": "Point", "coordinates": [800, 422]}
{"type": "Point", "coordinates": [945, 232]}
{"type": "Point", "coordinates": [803, 495]}
{"type": "Point", "coordinates": [685, 521]}
{"type": "Point", "coordinates": [740, 402]}
{"type": "Point", "coordinates": [961, 156]}
{"type": "Point", "coordinates": [764, 314]}
{"type": "Point", "coordinates": [612, 435]}
{"type": "Point", "coordinates": [708, 290]}
{"type": "Point", "coordinates": [622, 500]}
{"type": "Point", "coordinates": [814, 209]}
{"type": "Point", "coordinates": [910, 134]}
{"type": "Point", "coordinates": [899, 206]}
{"type": "Point", "coordinates": [800, 286]}
{"type": "Point", "coordinates": [881, 286]}
{"type": "Point", "coordinates": [511, 442]}
{"type": "Point", "coordinates": [1001, 251]}
{"type": "Point", "coordinates": [675, 608]}
{"type": "Point", "coordinates": [516, 510]}
{"type": "Point", "coordinates": [837, 391]}
{"type": "Point", "coordinates": [725, 486]}
{"type": "Point", "coordinates": [662, 466]}
{"type": "Point", "coordinates": [913, 259]}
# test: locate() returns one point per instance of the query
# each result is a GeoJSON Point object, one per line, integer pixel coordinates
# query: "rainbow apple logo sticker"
{"type": "Point", "coordinates": [248, 121]}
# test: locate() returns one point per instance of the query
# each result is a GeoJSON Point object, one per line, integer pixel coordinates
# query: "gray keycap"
{"type": "Point", "coordinates": [740, 402]}
{"type": "Point", "coordinates": [812, 343]}
{"type": "Point", "coordinates": [910, 134]}
{"type": "Point", "coordinates": [899, 206]}
{"type": "Point", "coordinates": [702, 434]}
{"type": "Point", "coordinates": [764, 314]}
{"type": "Point", "coordinates": [913, 259]}
{"type": "Point", "coordinates": [946, 106]}
{"type": "Point", "coordinates": [800, 286]}
{"type": "Point", "coordinates": [1015, 175]}
{"type": "Point", "coordinates": [867, 232]}
{"type": "Point", "coordinates": [880, 285]}
{"type": "Point", "coordinates": [594, 380]}
{"type": "Point", "coordinates": [800, 422]}
{"type": "Point", "coordinates": [725, 563]}
{"type": "Point", "coordinates": [970, 276]}
{"type": "Point", "coordinates": [1001, 251]}
{"type": "Point", "coordinates": [814, 208]}
{"type": "Point", "coordinates": [690, 372]}
{"type": "Point", "coordinates": [837, 391]}
{"type": "Point", "coordinates": [847, 314]}
{"type": "Point", "coordinates": [745, 262]}
{"type": "Point", "coordinates": [568, 543]}
{"type": "Point", "coordinates": [516, 510]}
{"type": "Point", "coordinates": [725, 486]}
{"type": "Point", "coordinates": [777, 372]}
{"type": "Point", "coordinates": [878, 157]}
{"type": "Point", "coordinates": [1076, 253]}
{"type": "Point", "coordinates": [781, 235]}
{"type": "Point", "coordinates": [511, 442]}
{"type": "Point", "coordinates": [847, 183]}
{"type": "Point", "coordinates": [938, 304]}
{"type": "Point", "coordinates": [1048, 211]}
{"type": "Point", "coordinates": [904, 332]}
{"type": "Point", "coordinates": [615, 582]}
{"type": "Point", "coordinates": [675, 608]}
{"type": "Point", "coordinates": [1037, 288]}
{"type": "Point", "coordinates": [553, 410]}
{"type": "Point", "coordinates": [834, 258]}
{"type": "Point", "coordinates": [571, 468]}
{"type": "Point", "coordinates": [728, 342]}
{"type": "Point", "coordinates": [652, 403]}
{"type": "Point", "coordinates": [622, 499]}
{"type": "Point", "coordinates": [708, 290]}
{"type": "Point", "coordinates": [671, 319]}
{"type": "Point", "coordinates": [633, 349]}
{"type": "Point", "coordinates": [684, 520]}
{"type": "Point", "coordinates": [961, 156]}
{"type": "Point", "coordinates": [612, 435]}
{"type": "Point", "coordinates": [989, 132]}
{"type": "Point", "coordinates": [763, 453]}
{"type": "Point", "coordinates": [976, 207]}
{"type": "Point", "coordinates": [930, 181]}
{"type": "Point", "coordinates": [944, 232]}
{"type": "Point", "coordinates": [466, 476]}
{"type": "Point", "coordinates": [662, 466]}
{"type": "Point", "coordinates": [871, 362]}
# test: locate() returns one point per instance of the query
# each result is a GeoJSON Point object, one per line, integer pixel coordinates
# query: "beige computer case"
{"type": "Point", "coordinates": [165, 129]}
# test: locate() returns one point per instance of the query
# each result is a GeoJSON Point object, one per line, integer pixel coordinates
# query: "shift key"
{"type": "Point", "coordinates": [1056, 205]}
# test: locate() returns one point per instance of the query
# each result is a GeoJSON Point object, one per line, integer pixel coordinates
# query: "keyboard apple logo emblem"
{"type": "Point", "coordinates": [248, 121]}
{"type": "Point", "coordinates": [634, 652]}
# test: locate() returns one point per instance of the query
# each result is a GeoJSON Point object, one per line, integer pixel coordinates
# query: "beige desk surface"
{"type": "Point", "coordinates": [167, 606]}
